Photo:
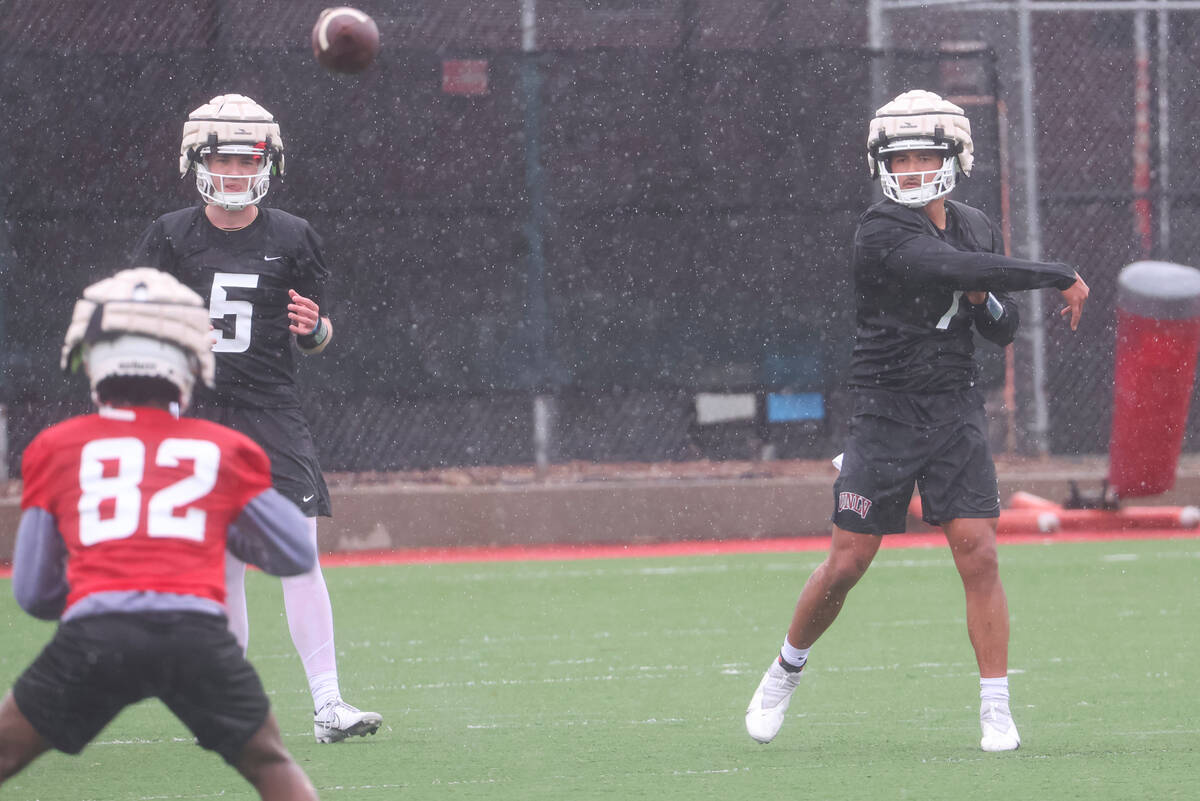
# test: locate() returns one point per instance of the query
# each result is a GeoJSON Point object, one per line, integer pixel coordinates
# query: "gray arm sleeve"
{"type": "Point", "coordinates": [272, 533]}
{"type": "Point", "coordinates": [40, 566]}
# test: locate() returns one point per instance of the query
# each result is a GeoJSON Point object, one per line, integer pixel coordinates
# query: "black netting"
{"type": "Point", "coordinates": [620, 227]}
{"type": "Point", "coordinates": [1094, 213]}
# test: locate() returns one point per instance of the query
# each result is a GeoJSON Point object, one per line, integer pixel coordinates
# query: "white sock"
{"type": "Point", "coordinates": [324, 688]}
{"type": "Point", "coordinates": [310, 621]}
{"type": "Point", "coordinates": [796, 657]}
{"type": "Point", "coordinates": [235, 600]}
{"type": "Point", "coordinates": [994, 689]}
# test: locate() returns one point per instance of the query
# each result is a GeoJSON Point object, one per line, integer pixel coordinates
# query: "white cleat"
{"type": "Point", "coordinates": [764, 716]}
{"type": "Point", "coordinates": [337, 720]}
{"type": "Point", "coordinates": [999, 731]}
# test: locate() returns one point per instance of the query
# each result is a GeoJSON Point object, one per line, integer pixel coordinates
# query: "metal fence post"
{"type": "Point", "coordinates": [537, 313]}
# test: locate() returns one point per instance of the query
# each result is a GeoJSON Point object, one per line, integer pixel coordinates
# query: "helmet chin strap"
{"type": "Point", "coordinates": [229, 204]}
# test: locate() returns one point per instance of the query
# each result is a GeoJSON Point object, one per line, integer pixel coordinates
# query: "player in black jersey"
{"type": "Point", "coordinates": [263, 275]}
{"type": "Point", "coordinates": [927, 272]}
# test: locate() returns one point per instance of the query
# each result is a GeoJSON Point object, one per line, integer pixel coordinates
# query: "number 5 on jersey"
{"type": "Point", "coordinates": [242, 311]}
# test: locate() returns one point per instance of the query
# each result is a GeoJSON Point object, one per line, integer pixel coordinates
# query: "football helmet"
{"type": "Point", "coordinates": [231, 125]}
{"type": "Point", "coordinates": [141, 322]}
{"type": "Point", "coordinates": [920, 120]}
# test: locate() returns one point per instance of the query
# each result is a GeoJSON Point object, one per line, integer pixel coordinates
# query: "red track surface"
{"type": "Point", "coordinates": [703, 548]}
{"type": "Point", "coordinates": [516, 553]}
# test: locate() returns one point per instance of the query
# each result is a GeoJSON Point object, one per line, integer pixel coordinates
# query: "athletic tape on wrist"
{"type": "Point", "coordinates": [995, 308]}
{"type": "Point", "coordinates": [314, 338]}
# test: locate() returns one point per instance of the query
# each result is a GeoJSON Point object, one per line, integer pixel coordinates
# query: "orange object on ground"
{"type": "Point", "coordinates": [1048, 520]}
{"type": "Point", "coordinates": [1027, 500]}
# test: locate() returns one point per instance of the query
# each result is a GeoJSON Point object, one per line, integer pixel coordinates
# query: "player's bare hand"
{"type": "Point", "coordinates": [976, 298]}
{"type": "Point", "coordinates": [1075, 295]}
{"type": "Point", "coordinates": [303, 314]}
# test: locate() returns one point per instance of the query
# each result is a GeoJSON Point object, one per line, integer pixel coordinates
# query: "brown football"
{"type": "Point", "coordinates": [345, 39]}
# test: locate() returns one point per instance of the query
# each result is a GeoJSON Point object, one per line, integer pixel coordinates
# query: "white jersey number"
{"type": "Point", "coordinates": [126, 457]}
{"type": "Point", "coordinates": [220, 307]}
{"type": "Point", "coordinates": [944, 322]}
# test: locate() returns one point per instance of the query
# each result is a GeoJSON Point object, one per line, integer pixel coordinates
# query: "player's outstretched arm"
{"type": "Point", "coordinates": [313, 332]}
{"type": "Point", "coordinates": [1075, 295]}
{"type": "Point", "coordinates": [927, 258]}
{"type": "Point", "coordinates": [40, 566]}
{"type": "Point", "coordinates": [272, 533]}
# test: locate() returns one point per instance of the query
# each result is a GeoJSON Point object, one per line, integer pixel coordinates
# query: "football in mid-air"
{"type": "Point", "coordinates": [345, 39]}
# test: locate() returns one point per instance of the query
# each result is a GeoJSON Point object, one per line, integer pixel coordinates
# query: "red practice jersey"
{"type": "Point", "coordinates": [143, 500]}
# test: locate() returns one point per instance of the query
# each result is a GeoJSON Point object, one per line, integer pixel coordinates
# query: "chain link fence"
{"type": "Point", "coordinates": [1115, 92]}
{"type": "Point", "coordinates": [654, 204]}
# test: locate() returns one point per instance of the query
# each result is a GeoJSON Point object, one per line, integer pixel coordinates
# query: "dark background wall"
{"type": "Point", "coordinates": [1093, 70]}
{"type": "Point", "coordinates": [657, 202]}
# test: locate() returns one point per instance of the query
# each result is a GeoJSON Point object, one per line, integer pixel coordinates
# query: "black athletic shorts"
{"type": "Point", "coordinates": [937, 442]}
{"type": "Point", "coordinates": [96, 666]}
{"type": "Point", "coordinates": [284, 435]}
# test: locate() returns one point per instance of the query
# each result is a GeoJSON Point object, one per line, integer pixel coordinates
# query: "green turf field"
{"type": "Point", "coordinates": [627, 679]}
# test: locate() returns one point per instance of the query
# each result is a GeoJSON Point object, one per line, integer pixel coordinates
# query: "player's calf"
{"type": "Point", "coordinates": [20, 743]}
{"type": "Point", "coordinates": [266, 764]}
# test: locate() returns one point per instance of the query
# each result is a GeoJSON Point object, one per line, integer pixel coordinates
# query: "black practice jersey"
{"type": "Point", "coordinates": [244, 276]}
{"type": "Point", "coordinates": [914, 324]}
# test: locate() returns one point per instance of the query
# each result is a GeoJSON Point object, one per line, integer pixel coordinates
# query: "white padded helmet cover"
{"type": "Point", "coordinates": [147, 324]}
{"type": "Point", "coordinates": [236, 120]}
{"type": "Point", "coordinates": [918, 114]}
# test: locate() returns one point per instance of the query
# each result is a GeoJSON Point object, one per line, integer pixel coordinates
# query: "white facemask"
{"type": "Point", "coordinates": [934, 183]}
{"type": "Point", "coordinates": [212, 184]}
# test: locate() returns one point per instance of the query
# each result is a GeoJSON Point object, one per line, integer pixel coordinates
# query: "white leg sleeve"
{"type": "Point", "coordinates": [310, 620]}
{"type": "Point", "coordinates": [235, 600]}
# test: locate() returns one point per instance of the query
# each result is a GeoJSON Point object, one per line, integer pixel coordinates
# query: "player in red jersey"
{"type": "Point", "coordinates": [126, 517]}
